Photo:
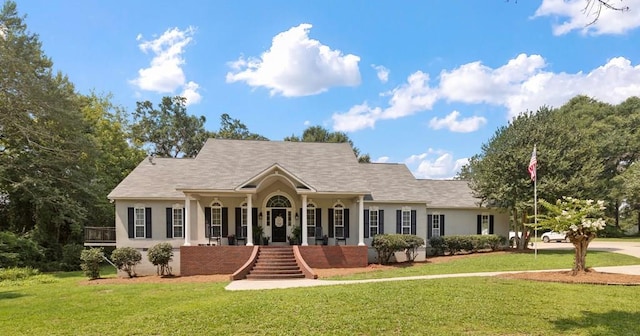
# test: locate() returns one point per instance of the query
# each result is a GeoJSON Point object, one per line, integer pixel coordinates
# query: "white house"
{"type": "Point", "coordinates": [200, 205]}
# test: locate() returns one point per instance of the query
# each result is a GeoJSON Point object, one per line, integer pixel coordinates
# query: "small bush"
{"type": "Point", "coordinates": [160, 255]}
{"type": "Point", "coordinates": [438, 244]}
{"type": "Point", "coordinates": [413, 242]}
{"type": "Point", "coordinates": [386, 245]}
{"type": "Point", "coordinates": [19, 251]}
{"type": "Point", "coordinates": [91, 260]}
{"type": "Point", "coordinates": [126, 259]}
{"type": "Point", "coordinates": [71, 257]}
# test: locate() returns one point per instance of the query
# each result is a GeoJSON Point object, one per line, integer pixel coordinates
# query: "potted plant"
{"type": "Point", "coordinates": [232, 239]}
{"type": "Point", "coordinates": [265, 240]}
{"type": "Point", "coordinates": [258, 232]}
{"type": "Point", "coordinates": [296, 235]}
{"type": "Point", "coordinates": [325, 240]}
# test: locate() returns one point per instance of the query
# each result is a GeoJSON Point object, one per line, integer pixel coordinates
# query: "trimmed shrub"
{"type": "Point", "coordinates": [91, 260]}
{"type": "Point", "coordinates": [438, 244]}
{"type": "Point", "coordinates": [126, 259]}
{"type": "Point", "coordinates": [71, 257]}
{"type": "Point", "coordinates": [413, 242]}
{"type": "Point", "coordinates": [386, 245]}
{"type": "Point", "coordinates": [160, 255]}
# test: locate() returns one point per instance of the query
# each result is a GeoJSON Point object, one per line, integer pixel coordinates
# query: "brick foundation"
{"type": "Point", "coordinates": [335, 256]}
{"type": "Point", "coordinates": [204, 260]}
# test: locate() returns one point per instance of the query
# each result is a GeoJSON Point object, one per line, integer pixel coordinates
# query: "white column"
{"type": "Point", "coordinates": [249, 221]}
{"type": "Point", "coordinates": [303, 215]}
{"type": "Point", "coordinates": [187, 222]}
{"type": "Point", "coordinates": [361, 221]}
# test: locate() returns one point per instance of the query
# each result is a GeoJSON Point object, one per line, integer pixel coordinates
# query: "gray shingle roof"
{"type": "Point", "coordinates": [225, 164]}
{"type": "Point", "coordinates": [448, 194]}
{"type": "Point", "coordinates": [391, 182]}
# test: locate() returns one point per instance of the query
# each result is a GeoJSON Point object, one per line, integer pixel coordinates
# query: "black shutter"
{"type": "Point", "coordinates": [381, 221]}
{"type": "Point", "coordinates": [239, 222]}
{"type": "Point", "coordinates": [131, 222]}
{"type": "Point", "coordinates": [330, 223]}
{"type": "Point", "coordinates": [442, 225]}
{"type": "Point", "coordinates": [225, 222]}
{"type": "Point", "coordinates": [254, 217]}
{"type": "Point", "coordinates": [366, 223]}
{"type": "Point", "coordinates": [207, 222]}
{"type": "Point", "coordinates": [147, 222]}
{"type": "Point", "coordinates": [319, 219]}
{"type": "Point", "coordinates": [413, 222]}
{"type": "Point", "coordinates": [429, 226]}
{"type": "Point", "coordinates": [301, 214]}
{"type": "Point", "coordinates": [398, 221]}
{"type": "Point", "coordinates": [345, 219]}
{"type": "Point", "coordinates": [169, 222]}
{"type": "Point", "coordinates": [491, 224]}
{"type": "Point", "coordinates": [184, 222]}
{"type": "Point", "coordinates": [479, 224]}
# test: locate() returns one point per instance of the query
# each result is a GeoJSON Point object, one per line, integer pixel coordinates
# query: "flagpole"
{"type": "Point", "coordinates": [535, 205]}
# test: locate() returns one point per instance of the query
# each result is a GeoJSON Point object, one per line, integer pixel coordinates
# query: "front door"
{"type": "Point", "coordinates": [279, 225]}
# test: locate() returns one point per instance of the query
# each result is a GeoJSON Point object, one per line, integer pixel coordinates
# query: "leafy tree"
{"type": "Point", "coordinates": [231, 128]}
{"type": "Point", "coordinates": [114, 157]}
{"type": "Point", "coordinates": [321, 134]}
{"type": "Point", "coordinates": [580, 219]}
{"type": "Point", "coordinates": [45, 153]}
{"type": "Point", "coordinates": [126, 259]}
{"type": "Point", "coordinates": [168, 131]}
{"type": "Point", "coordinates": [160, 255]}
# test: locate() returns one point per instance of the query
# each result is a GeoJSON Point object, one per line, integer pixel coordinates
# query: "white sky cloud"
{"type": "Point", "coordinates": [382, 72]}
{"type": "Point", "coordinates": [296, 65]}
{"type": "Point", "coordinates": [382, 159]}
{"type": "Point", "coordinates": [521, 84]}
{"type": "Point", "coordinates": [165, 73]}
{"type": "Point", "coordinates": [575, 15]}
{"type": "Point", "coordinates": [435, 164]}
{"type": "Point", "coordinates": [451, 122]}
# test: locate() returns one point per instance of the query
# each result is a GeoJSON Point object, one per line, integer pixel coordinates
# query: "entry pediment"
{"type": "Point", "coordinates": [275, 171]}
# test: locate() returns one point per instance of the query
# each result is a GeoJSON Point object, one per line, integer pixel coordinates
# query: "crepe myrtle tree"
{"type": "Point", "coordinates": [580, 219]}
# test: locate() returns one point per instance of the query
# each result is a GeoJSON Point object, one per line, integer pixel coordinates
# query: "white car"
{"type": "Point", "coordinates": [552, 235]}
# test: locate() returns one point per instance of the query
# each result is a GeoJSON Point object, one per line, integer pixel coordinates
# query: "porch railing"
{"type": "Point", "coordinates": [96, 234]}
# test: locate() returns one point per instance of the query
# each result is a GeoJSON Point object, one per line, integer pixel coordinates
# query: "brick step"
{"type": "Point", "coordinates": [275, 267]}
{"type": "Point", "coordinates": [276, 253]}
{"type": "Point", "coordinates": [262, 258]}
{"type": "Point", "coordinates": [277, 263]}
{"type": "Point", "coordinates": [280, 271]}
{"type": "Point", "coordinates": [274, 276]}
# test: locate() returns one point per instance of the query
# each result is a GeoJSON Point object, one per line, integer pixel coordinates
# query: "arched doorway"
{"type": "Point", "coordinates": [278, 217]}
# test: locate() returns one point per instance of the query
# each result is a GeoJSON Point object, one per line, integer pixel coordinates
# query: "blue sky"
{"type": "Point", "coordinates": [425, 83]}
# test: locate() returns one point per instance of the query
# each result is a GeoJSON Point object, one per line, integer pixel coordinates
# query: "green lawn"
{"type": "Point", "coordinates": [635, 239]}
{"type": "Point", "coordinates": [457, 306]}
{"type": "Point", "coordinates": [546, 259]}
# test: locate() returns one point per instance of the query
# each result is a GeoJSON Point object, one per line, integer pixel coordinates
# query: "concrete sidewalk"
{"type": "Point", "coordinates": [279, 284]}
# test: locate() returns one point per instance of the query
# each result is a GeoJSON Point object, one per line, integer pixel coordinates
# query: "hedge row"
{"type": "Point", "coordinates": [468, 243]}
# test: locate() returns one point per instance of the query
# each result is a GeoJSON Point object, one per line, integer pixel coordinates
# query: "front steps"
{"type": "Point", "coordinates": [275, 263]}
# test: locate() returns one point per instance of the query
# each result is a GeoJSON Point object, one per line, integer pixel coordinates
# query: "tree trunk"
{"type": "Point", "coordinates": [581, 244]}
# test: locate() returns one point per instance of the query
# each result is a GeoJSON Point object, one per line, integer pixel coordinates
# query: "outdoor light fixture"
{"type": "Point", "coordinates": [297, 217]}
{"type": "Point", "coordinates": [260, 216]}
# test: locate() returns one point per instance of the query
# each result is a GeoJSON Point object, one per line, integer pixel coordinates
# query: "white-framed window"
{"type": "Point", "coordinates": [373, 222]}
{"type": "Point", "coordinates": [216, 219]}
{"type": "Point", "coordinates": [311, 220]}
{"type": "Point", "coordinates": [484, 221]}
{"type": "Point", "coordinates": [178, 221]}
{"type": "Point", "coordinates": [435, 225]}
{"type": "Point", "coordinates": [139, 221]}
{"type": "Point", "coordinates": [406, 220]}
{"type": "Point", "coordinates": [243, 221]}
{"type": "Point", "coordinates": [338, 220]}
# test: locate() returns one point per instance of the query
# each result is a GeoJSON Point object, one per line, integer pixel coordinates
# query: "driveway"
{"type": "Point", "coordinates": [630, 248]}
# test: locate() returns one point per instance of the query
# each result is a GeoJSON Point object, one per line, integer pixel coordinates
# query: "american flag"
{"type": "Point", "coordinates": [532, 164]}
